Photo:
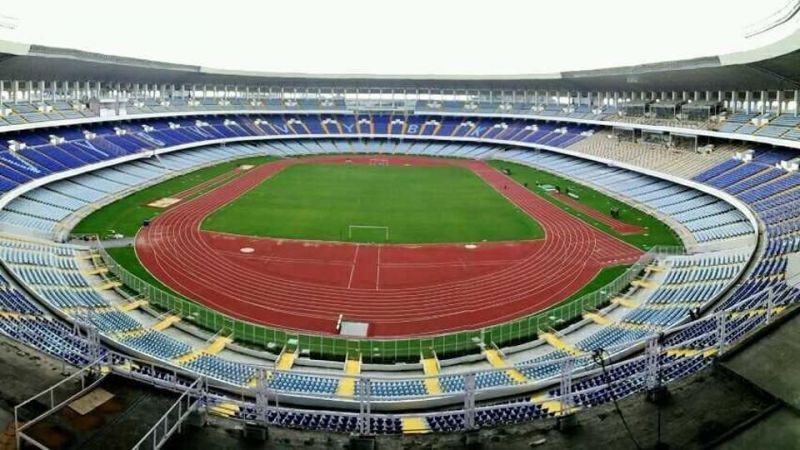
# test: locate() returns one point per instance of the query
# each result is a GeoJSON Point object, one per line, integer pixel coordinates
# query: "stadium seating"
{"type": "Point", "coordinates": [157, 344]}
{"type": "Point", "coordinates": [699, 213]}
{"type": "Point", "coordinates": [53, 273]}
{"type": "Point", "coordinates": [303, 383]}
{"type": "Point", "coordinates": [221, 369]}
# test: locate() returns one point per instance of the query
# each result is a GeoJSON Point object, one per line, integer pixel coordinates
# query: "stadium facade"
{"type": "Point", "coordinates": [709, 146]}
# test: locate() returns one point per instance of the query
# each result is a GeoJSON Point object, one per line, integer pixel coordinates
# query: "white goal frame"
{"type": "Point", "coordinates": [379, 162]}
{"type": "Point", "coordinates": [350, 229]}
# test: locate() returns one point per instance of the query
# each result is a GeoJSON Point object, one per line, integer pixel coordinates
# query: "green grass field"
{"type": "Point", "coordinates": [657, 233]}
{"type": "Point", "coordinates": [126, 215]}
{"type": "Point", "coordinates": [417, 204]}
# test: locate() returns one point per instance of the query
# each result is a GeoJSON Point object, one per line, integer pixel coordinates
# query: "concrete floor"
{"type": "Point", "coordinates": [117, 424]}
{"type": "Point", "coordinates": [778, 430]}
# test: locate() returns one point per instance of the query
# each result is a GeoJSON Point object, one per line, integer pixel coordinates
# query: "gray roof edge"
{"type": "Point", "coordinates": [774, 49]}
{"type": "Point", "coordinates": [84, 56]}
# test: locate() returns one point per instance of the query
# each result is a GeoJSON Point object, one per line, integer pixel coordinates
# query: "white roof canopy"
{"type": "Point", "coordinates": [413, 37]}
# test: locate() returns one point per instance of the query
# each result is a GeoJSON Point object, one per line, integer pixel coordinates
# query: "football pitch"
{"type": "Point", "coordinates": [379, 204]}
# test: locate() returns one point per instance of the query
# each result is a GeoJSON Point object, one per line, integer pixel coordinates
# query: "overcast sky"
{"type": "Point", "coordinates": [444, 37]}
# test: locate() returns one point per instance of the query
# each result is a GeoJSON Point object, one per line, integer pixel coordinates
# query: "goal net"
{"type": "Point", "coordinates": [378, 162]}
{"type": "Point", "coordinates": [368, 233]}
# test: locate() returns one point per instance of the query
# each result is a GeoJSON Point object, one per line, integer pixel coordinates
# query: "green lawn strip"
{"type": "Point", "coordinates": [126, 257]}
{"type": "Point", "coordinates": [605, 276]}
{"type": "Point", "coordinates": [656, 232]}
{"type": "Point", "coordinates": [126, 215]}
{"type": "Point", "coordinates": [417, 204]}
{"type": "Point", "coordinates": [526, 328]}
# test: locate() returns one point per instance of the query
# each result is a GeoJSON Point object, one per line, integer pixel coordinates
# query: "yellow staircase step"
{"type": "Point", "coordinates": [133, 305]}
{"type": "Point", "coordinates": [495, 358]}
{"type": "Point", "coordinates": [643, 284]}
{"type": "Point", "coordinates": [346, 387]}
{"type": "Point", "coordinates": [654, 268]}
{"type": "Point", "coordinates": [683, 352]}
{"type": "Point", "coordinates": [109, 285]}
{"type": "Point", "coordinates": [188, 357]}
{"type": "Point", "coordinates": [347, 384]}
{"type": "Point", "coordinates": [550, 404]}
{"type": "Point", "coordinates": [415, 425]}
{"type": "Point", "coordinates": [167, 322]}
{"type": "Point", "coordinates": [286, 360]}
{"type": "Point", "coordinates": [433, 386]}
{"type": "Point", "coordinates": [95, 271]}
{"type": "Point", "coordinates": [218, 345]}
{"type": "Point", "coordinates": [596, 318]}
{"type": "Point", "coordinates": [756, 312]}
{"type": "Point", "coordinates": [626, 302]}
{"type": "Point", "coordinates": [224, 409]}
{"type": "Point", "coordinates": [516, 375]}
{"type": "Point", "coordinates": [556, 342]}
{"type": "Point", "coordinates": [497, 361]}
{"type": "Point", "coordinates": [690, 352]}
{"type": "Point", "coordinates": [554, 406]}
{"type": "Point", "coordinates": [431, 368]}
{"type": "Point", "coordinates": [352, 367]}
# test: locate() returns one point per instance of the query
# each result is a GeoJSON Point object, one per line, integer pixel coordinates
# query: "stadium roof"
{"type": "Point", "coordinates": [773, 66]}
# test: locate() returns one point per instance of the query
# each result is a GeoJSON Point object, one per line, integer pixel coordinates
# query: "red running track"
{"type": "Point", "coordinates": [401, 290]}
{"type": "Point", "coordinates": [618, 225]}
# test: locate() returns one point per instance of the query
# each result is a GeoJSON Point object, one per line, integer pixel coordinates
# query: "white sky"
{"type": "Point", "coordinates": [443, 37]}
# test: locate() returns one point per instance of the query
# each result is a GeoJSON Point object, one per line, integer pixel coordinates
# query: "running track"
{"type": "Point", "coordinates": [400, 290]}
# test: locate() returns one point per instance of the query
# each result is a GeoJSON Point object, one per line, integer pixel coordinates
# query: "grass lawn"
{"type": "Point", "coordinates": [417, 204]}
{"type": "Point", "coordinates": [126, 257]}
{"type": "Point", "coordinates": [656, 233]}
{"type": "Point", "coordinates": [126, 215]}
{"type": "Point", "coordinates": [606, 275]}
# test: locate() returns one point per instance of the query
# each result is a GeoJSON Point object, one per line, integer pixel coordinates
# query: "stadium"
{"type": "Point", "coordinates": [220, 258]}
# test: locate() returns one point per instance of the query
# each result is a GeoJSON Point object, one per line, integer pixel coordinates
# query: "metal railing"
{"type": "Point", "coordinates": [191, 400]}
{"type": "Point", "coordinates": [54, 398]}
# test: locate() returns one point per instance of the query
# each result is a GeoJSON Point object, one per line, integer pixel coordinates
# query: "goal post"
{"type": "Point", "coordinates": [373, 232]}
{"type": "Point", "coordinates": [378, 162]}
